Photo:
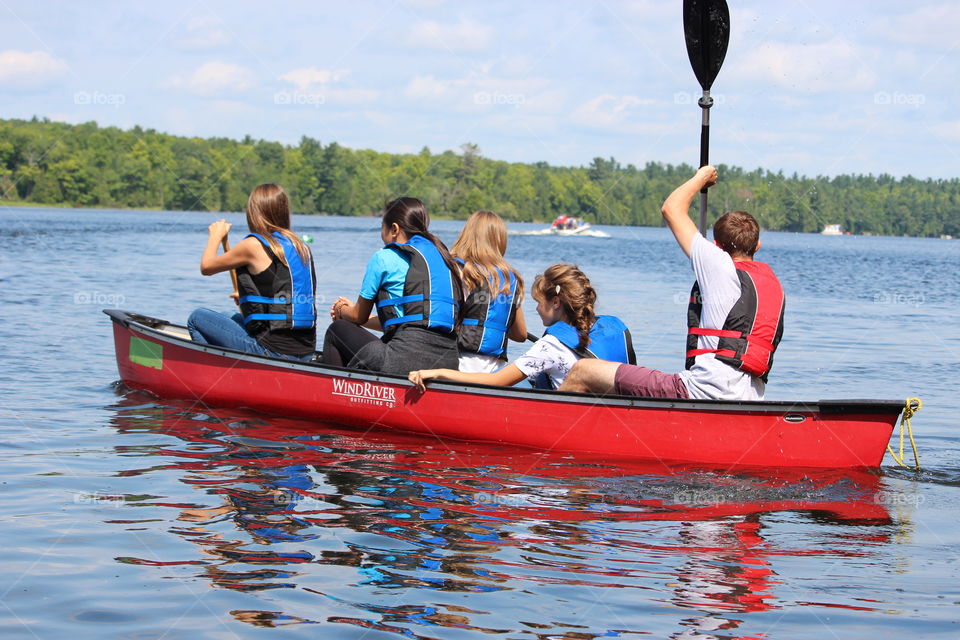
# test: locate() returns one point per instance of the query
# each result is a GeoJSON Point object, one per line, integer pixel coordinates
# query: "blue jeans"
{"type": "Point", "coordinates": [211, 327]}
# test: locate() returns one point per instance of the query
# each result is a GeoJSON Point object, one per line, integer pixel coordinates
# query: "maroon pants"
{"type": "Point", "coordinates": [631, 380]}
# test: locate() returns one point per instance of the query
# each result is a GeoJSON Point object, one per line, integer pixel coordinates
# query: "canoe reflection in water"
{"type": "Point", "coordinates": [478, 536]}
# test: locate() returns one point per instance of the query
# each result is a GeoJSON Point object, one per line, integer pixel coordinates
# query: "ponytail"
{"type": "Point", "coordinates": [410, 214]}
{"type": "Point", "coordinates": [577, 297]}
{"type": "Point", "coordinates": [268, 212]}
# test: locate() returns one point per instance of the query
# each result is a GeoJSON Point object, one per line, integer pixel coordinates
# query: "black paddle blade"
{"type": "Point", "coordinates": [706, 27]}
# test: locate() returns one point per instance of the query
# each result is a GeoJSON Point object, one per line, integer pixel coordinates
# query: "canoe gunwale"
{"type": "Point", "coordinates": [151, 326]}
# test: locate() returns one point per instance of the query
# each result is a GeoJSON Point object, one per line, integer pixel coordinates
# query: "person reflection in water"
{"type": "Point", "coordinates": [726, 572]}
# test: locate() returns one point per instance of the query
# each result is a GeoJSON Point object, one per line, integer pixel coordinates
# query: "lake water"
{"type": "Point", "coordinates": [131, 517]}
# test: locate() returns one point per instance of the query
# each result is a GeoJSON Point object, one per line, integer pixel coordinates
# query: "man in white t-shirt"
{"type": "Point", "coordinates": [736, 314]}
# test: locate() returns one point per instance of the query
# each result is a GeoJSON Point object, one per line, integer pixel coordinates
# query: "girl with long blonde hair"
{"type": "Point", "coordinates": [275, 284]}
{"type": "Point", "coordinates": [565, 302]}
{"type": "Point", "coordinates": [491, 311]}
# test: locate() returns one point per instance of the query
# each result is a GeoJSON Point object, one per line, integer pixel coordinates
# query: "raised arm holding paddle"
{"type": "Point", "coordinates": [735, 316]}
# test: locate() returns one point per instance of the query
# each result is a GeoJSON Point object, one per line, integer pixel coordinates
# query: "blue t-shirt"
{"type": "Point", "coordinates": [387, 271]}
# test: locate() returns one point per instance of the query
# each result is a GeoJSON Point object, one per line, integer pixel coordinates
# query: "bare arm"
{"type": "Point", "coordinates": [373, 322]}
{"type": "Point", "coordinates": [676, 208]}
{"type": "Point", "coordinates": [518, 330]}
{"type": "Point", "coordinates": [240, 255]}
{"type": "Point", "coordinates": [505, 377]}
{"type": "Point", "coordinates": [356, 312]}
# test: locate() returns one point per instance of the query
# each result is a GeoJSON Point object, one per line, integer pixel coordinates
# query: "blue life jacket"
{"type": "Point", "coordinates": [609, 340]}
{"type": "Point", "coordinates": [485, 317]}
{"type": "Point", "coordinates": [430, 297]}
{"type": "Point", "coordinates": [289, 302]}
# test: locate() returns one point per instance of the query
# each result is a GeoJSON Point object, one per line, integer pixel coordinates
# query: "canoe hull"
{"type": "Point", "coordinates": [818, 434]}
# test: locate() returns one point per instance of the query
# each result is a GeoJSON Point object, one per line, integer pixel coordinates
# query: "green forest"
{"type": "Point", "coordinates": [86, 165]}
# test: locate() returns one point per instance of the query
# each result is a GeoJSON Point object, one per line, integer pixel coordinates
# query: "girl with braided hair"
{"type": "Point", "coordinates": [565, 302]}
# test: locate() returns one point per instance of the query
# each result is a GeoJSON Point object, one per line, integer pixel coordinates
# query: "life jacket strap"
{"type": "Point", "coordinates": [491, 326]}
{"type": "Point", "coordinates": [394, 321]}
{"type": "Point", "coordinates": [393, 302]}
{"type": "Point", "coordinates": [719, 333]}
{"type": "Point", "coordinates": [727, 353]}
{"type": "Point", "coordinates": [263, 316]}
{"type": "Point", "coordinates": [759, 342]}
{"type": "Point", "coordinates": [262, 300]}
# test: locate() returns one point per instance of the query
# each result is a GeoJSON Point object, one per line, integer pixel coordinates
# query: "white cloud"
{"type": "Point", "coordinates": [29, 69]}
{"type": "Point", "coordinates": [833, 65]}
{"type": "Point", "coordinates": [933, 26]}
{"type": "Point", "coordinates": [948, 130]}
{"type": "Point", "coordinates": [308, 77]}
{"type": "Point", "coordinates": [466, 35]}
{"type": "Point", "coordinates": [609, 111]}
{"type": "Point", "coordinates": [798, 158]}
{"type": "Point", "coordinates": [215, 78]}
{"type": "Point", "coordinates": [522, 125]}
{"type": "Point", "coordinates": [651, 10]}
{"type": "Point", "coordinates": [423, 4]}
{"type": "Point", "coordinates": [742, 22]}
{"type": "Point", "coordinates": [204, 34]}
{"type": "Point", "coordinates": [425, 88]}
{"type": "Point", "coordinates": [353, 97]}
{"type": "Point", "coordinates": [232, 109]}
{"type": "Point", "coordinates": [798, 135]}
{"type": "Point", "coordinates": [518, 65]}
{"type": "Point", "coordinates": [483, 90]}
{"type": "Point", "coordinates": [382, 119]}
{"type": "Point", "coordinates": [315, 86]}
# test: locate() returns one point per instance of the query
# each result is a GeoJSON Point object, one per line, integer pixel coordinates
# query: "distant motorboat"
{"type": "Point", "coordinates": [832, 230]}
{"type": "Point", "coordinates": [576, 230]}
{"type": "Point", "coordinates": [566, 226]}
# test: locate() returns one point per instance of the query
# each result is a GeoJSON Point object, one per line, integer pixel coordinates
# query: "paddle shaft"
{"type": "Point", "coordinates": [706, 29]}
{"type": "Point", "coordinates": [233, 272]}
{"type": "Point", "coordinates": [705, 103]}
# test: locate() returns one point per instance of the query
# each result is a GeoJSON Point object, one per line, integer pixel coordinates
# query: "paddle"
{"type": "Point", "coordinates": [706, 28]}
{"type": "Point", "coordinates": [233, 272]}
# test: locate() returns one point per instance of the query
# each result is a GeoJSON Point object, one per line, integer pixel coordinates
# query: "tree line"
{"type": "Point", "coordinates": [48, 162]}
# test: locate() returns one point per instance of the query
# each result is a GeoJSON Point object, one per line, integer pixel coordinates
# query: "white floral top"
{"type": "Point", "coordinates": [547, 355]}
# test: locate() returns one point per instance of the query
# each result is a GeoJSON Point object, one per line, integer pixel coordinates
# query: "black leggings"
{"type": "Point", "coordinates": [343, 340]}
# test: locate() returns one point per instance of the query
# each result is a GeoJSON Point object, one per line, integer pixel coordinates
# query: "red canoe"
{"type": "Point", "coordinates": [158, 357]}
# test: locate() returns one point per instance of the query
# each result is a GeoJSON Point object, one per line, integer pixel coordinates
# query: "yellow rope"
{"type": "Point", "coordinates": [909, 410]}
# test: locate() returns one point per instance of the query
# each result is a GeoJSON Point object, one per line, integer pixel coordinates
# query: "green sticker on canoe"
{"type": "Point", "coordinates": [146, 353]}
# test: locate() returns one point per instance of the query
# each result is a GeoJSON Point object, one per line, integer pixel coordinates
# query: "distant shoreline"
{"type": "Point", "coordinates": [144, 169]}
{"type": "Point", "coordinates": [34, 205]}
{"type": "Point", "coordinates": [20, 204]}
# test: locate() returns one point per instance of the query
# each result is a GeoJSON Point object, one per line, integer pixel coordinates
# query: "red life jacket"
{"type": "Point", "coordinates": [754, 326]}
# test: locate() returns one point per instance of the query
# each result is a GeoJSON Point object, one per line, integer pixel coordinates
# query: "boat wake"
{"type": "Point", "coordinates": [587, 233]}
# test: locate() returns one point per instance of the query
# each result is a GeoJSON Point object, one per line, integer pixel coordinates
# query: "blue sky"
{"type": "Point", "coordinates": [816, 87]}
